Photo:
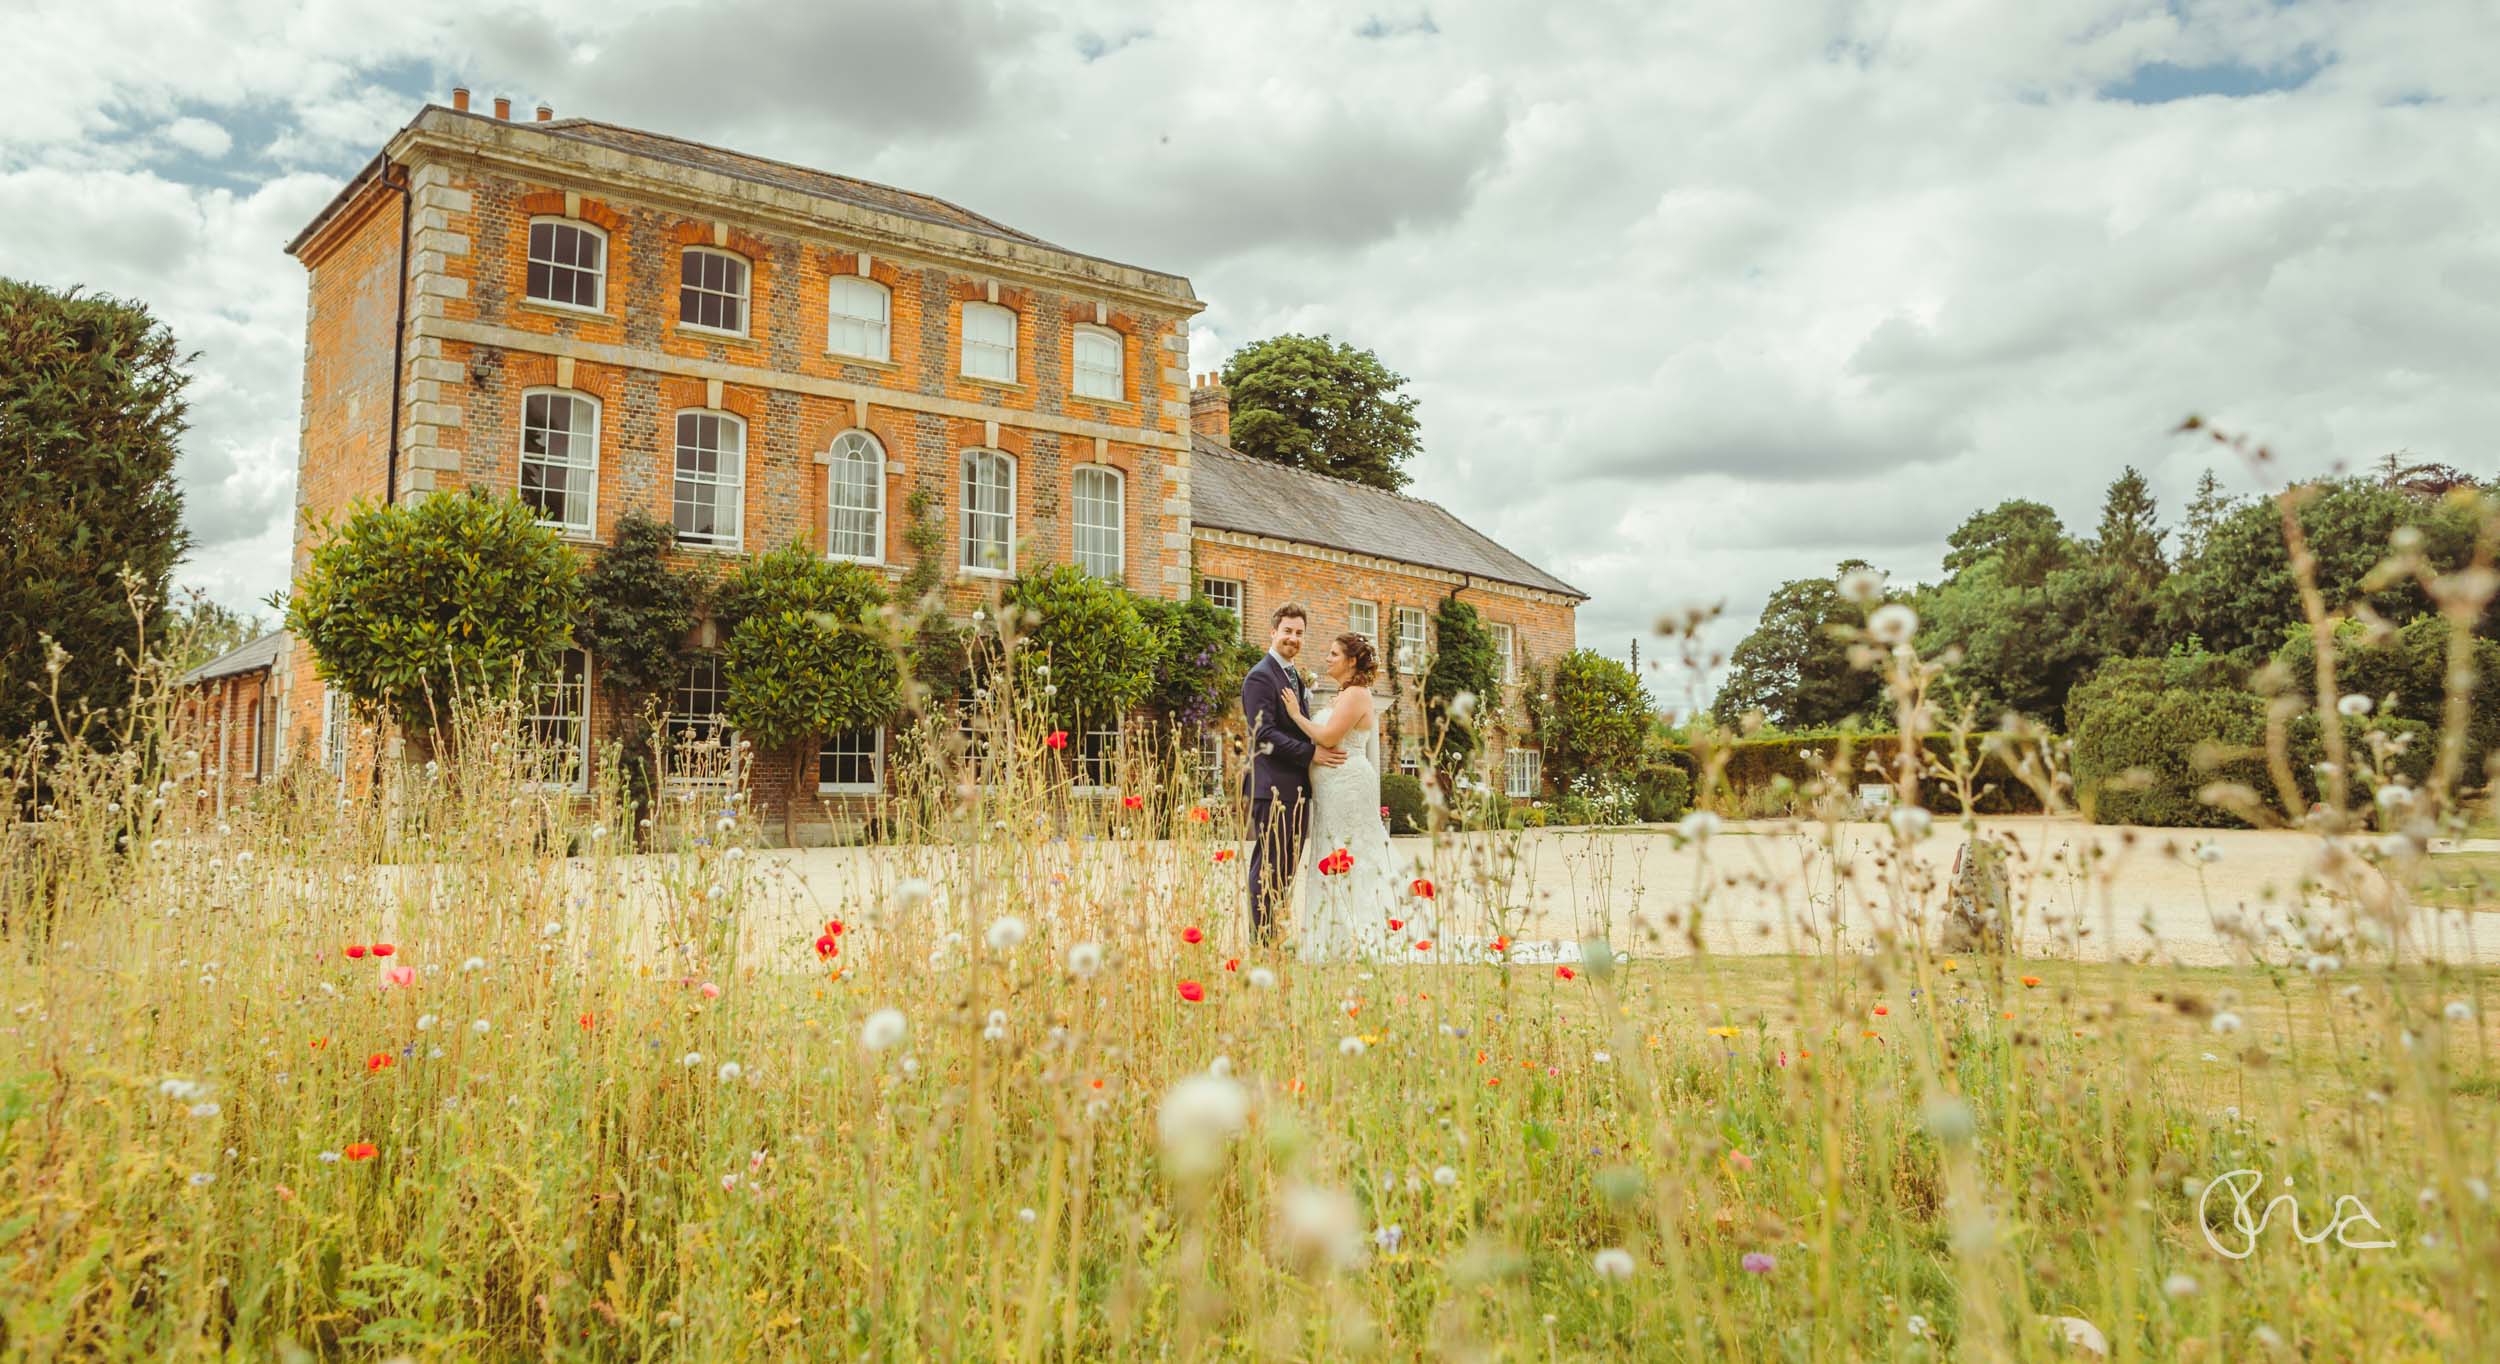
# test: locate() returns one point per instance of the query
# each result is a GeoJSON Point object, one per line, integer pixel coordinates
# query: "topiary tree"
{"type": "Point", "coordinates": [939, 656]}
{"type": "Point", "coordinates": [805, 656]}
{"type": "Point", "coordinates": [1464, 663]}
{"type": "Point", "coordinates": [1593, 718]}
{"type": "Point", "coordinates": [91, 409]}
{"type": "Point", "coordinates": [636, 613]}
{"type": "Point", "coordinates": [1086, 650]}
{"type": "Point", "coordinates": [412, 608]}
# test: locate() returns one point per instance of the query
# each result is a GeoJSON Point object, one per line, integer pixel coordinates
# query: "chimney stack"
{"type": "Point", "coordinates": [503, 107]}
{"type": "Point", "coordinates": [460, 98]}
{"type": "Point", "coordinates": [545, 113]}
{"type": "Point", "coordinates": [1211, 408]}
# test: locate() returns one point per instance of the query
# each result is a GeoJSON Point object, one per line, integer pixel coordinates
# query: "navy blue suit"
{"type": "Point", "coordinates": [1279, 787]}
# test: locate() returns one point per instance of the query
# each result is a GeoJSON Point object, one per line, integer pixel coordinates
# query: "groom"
{"type": "Point", "coordinates": [1279, 780]}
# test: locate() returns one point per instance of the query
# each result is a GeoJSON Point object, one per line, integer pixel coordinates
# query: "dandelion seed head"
{"type": "Point", "coordinates": [1614, 1262]}
{"type": "Point", "coordinates": [883, 1029]}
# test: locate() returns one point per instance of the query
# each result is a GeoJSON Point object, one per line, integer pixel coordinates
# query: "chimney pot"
{"type": "Point", "coordinates": [460, 98]}
{"type": "Point", "coordinates": [545, 113]}
{"type": "Point", "coordinates": [1211, 408]}
{"type": "Point", "coordinates": [503, 107]}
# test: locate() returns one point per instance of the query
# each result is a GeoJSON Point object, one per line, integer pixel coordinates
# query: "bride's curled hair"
{"type": "Point", "coordinates": [1363, 655]}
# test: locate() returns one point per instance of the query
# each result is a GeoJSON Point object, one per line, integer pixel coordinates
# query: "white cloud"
{"type": "Point", "coordinates": [199, 137]}
{"type": "Point", "coordinates": [1697, 298]}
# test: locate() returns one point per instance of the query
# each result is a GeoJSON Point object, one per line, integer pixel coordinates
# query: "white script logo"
{"type": "Point", "coordinates": [2243, 1185]}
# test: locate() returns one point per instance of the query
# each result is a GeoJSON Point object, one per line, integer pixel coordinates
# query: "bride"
{"type": "Point", "coordinates": [1349, 882]}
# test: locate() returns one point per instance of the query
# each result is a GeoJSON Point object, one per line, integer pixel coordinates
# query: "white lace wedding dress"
{"type": "Point", "coordinates": [1345, 914]}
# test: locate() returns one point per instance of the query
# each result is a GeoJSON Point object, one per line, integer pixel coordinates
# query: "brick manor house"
{"type": "Point", "coordinates": [605, 320]}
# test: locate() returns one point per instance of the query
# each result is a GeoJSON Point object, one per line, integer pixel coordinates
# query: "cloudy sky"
{"type": "Point", "coordinates": [1697, 295]}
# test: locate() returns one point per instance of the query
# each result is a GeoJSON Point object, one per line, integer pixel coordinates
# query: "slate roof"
{"type": "Point", "coordinates": [261, 653]}
{"type": "Point", "coordinates": [1229, 490]}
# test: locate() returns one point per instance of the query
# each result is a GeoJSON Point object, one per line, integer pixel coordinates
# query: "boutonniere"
{"type": "Point", "coordinates": [1309, 679]}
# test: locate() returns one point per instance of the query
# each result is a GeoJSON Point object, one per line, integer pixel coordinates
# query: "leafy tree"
{"type": "Point", "coordinates": [1794, 667]}
{"type": "Point", "coordinates": [1088, 632]}
{"type": "Point", "coordinates": [806, 656]}
{"type": "Point", "coordinates": [199, 630]}
{"type": "Point", "coordinates": [1593, 720]}
{"type": "Point", "coordinates": [1320, 404]}
{"type": "Point", "coordinates": [2025, 537]}
{"type": "Point", "coordinates": [2405, 674]}
{"type": "Point", "coordinates": [412, 607]}
{"type": "Point", "coordinates": [1464, 661]}
{"type": "Point", "coordinates": [1199, 659]}
{"type": "Point", "coordinates": [637, 611]}
{"type": "Point", "coordinates": [91, 408]}
{"type": "Point", "coordinates": [2237, 592]}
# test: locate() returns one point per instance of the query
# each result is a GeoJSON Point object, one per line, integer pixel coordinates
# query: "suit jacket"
{"type": "Point", "coordinates": [1280, 753]}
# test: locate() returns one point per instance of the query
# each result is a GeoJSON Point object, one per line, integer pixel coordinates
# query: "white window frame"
{"type": "Point", "coordinates": [572, 463]}
{"type": "Point", "coordinates": [991, 348]}
{"type": "Point", "coordinates": [1410, 652]}
{"type": "Point", "coordinates": [1078, 527]}
{"type": "Point", "coordinates": [1110, 385]}
{"type": "Point", "coordinates": [1523, 773]}
{"type": "Point", "coordinates": [964, 555]}
{"type": "Point", "coordinates": [686, 728]}
{"type": "Point", "coordinates": [1097, 748]}
{"type": "Point", "coordinates": [876, 764]}
{"type": "Point", "coordinates": [1240, 593]}
{"type": "Point", "coordinates": [1506, 640]}
{"type": "Point", "coordinates": [743, 299]}
{"type": "Point", "coordinates": [336, 717]}
{"type": "Point", "coordinates": [878, 330]}
{"type": "Point", "coordinates": [530, 257]}
{"type": "Point", "coordinates": [860, 450]}
{"type": "Point", "coordinates": [731, 486]}
{"type": "Point", "coordinates": [1363, 618]}
{"type": "Point", "coordinates": [579, 719]}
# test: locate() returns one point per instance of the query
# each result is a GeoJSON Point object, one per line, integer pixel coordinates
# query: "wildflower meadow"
{"type": "Point", "coordinates": [445, 1064]}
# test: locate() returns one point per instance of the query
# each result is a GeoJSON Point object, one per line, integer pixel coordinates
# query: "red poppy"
{"type": "Point", "coordinates": [355, 951]}
{"type": "Point", "coordinates": [1396, 924]}
{"type": "Point", "coordinates": [1192, 936]}
{"type": "Point", "coordinates": [379, 1061]}
{"type": "Point", "coordinates": [1232, 963]}
{"type": "Point", "coordinates": [1421, 890]}
{"type": "Point", "coordinates": [2031, 982]}
{"type": "Point", "coordinates": [1058, 738]}
{"type": "Point", "coordinates": [357, 1150]}
{"type": "Point", "coordinates": [826, 946]}
{"type": "Point", "coordinates": [1501, 944]}
{"type": "Point", "coordinates": [587, 1021]}
{"type": "Point", "coordinates": [1132, 802]}
{"type": "Point", "coordinates": [1565, 972]}
{"type": "Point", "coordinates": [1197, 814]}
{"type": "Point", "coordinates": [833, 928]}
{"type": "Point", "coordinates": [1881, 1011]}
{"type": "Point", "coordinates": [1223, 854]}
{"type": "Point", "coordinates": [1423, 945]}
{"type": "Point", "coordinates": [383, 949]}
{"type": "Point", "coordinates": [1336, 863]}
{"type": "Point", "coordinates": [1193, 991]}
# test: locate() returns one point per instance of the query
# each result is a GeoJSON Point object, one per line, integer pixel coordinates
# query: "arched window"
{"type": "Point", "coordinates": [855, 498]}
{"type": "Point", "coordinates": [560, 458]}
{"type": "Point", "coordinates": [989, 512]}
{"type": "Point", "coordinates": [1099, 372]}
{"type": "Point", "coordinates": [856, 314]}
{"type": "Point", "coordinates": [1100, 524]}
{"type": "Point", "coordinates": [711, 478]}
{"type": "Point", "coordinates": [989, 343]}
{"type": "Point", "coordinates": [712, 290]}
{"type": "Point", "coordinates": [568, 264]}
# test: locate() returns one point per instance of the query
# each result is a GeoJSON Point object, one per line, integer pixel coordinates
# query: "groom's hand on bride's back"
{"type": "Point", "coordinates": [1327, 757]}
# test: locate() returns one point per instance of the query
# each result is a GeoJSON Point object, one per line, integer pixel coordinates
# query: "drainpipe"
{"type": "Point", "coordinates": [399, 331]}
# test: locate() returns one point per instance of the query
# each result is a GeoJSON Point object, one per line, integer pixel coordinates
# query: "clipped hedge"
{"type": "Point", "coordinates": [1663, 792]}
{"type": "Point", "coordinates": [1404, 796]}
{"type": "Point", "coordinates": [1754, 764]}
